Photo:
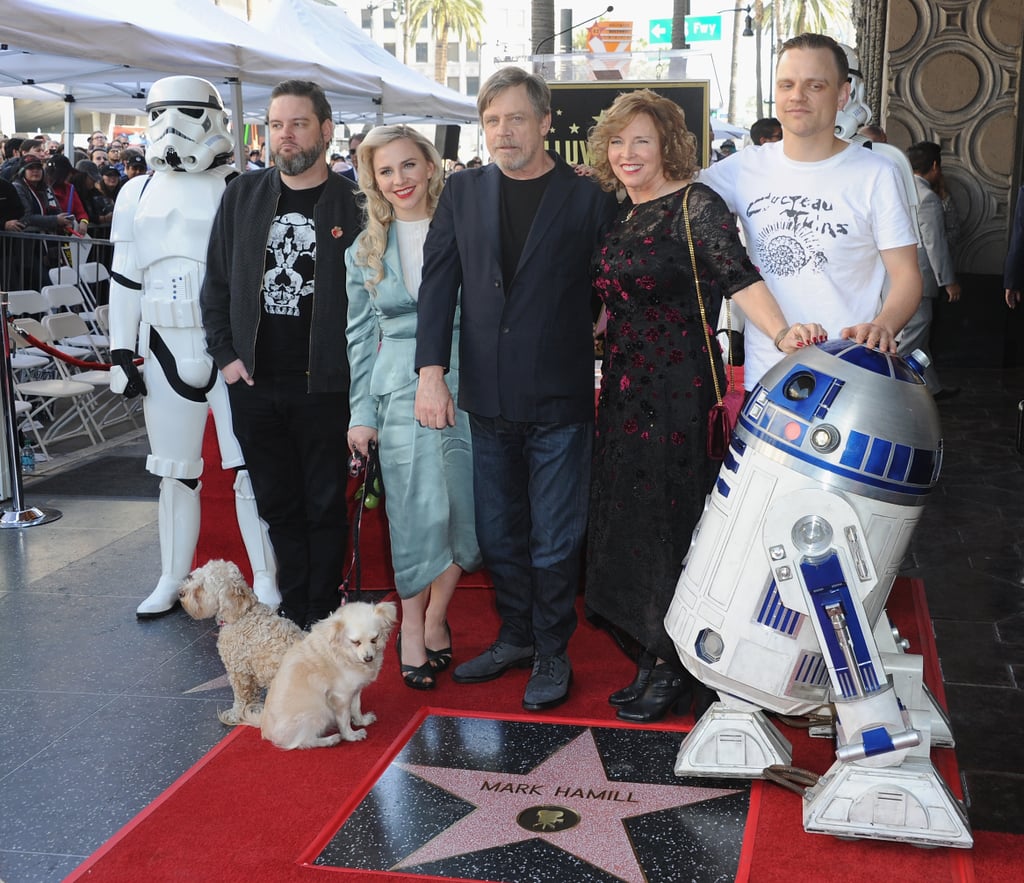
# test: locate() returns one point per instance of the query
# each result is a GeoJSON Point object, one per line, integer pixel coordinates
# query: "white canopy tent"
{"type": "Point", "coordinates": [81, 53]}
{"type": "Point", "coordinates": [326, 32]}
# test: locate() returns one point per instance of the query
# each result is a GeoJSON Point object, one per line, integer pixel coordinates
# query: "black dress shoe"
{"type": "Point", "coordinates": [668, 688]}
{"type": "Point", "coordinates": [633, 691]}
{"type": "Point", "coordinates": [947, 392]}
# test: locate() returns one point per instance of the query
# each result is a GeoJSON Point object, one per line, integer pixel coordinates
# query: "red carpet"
{"type": "Point", "coordinates": [248, 811]}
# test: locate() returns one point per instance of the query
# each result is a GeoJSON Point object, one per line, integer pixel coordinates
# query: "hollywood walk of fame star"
{"type": "Point", "coordinates": [574, 129]}
{"type": "Point", "coordinates": [215, 684]}
{"type": "Point", "coordinates": [572, 779]}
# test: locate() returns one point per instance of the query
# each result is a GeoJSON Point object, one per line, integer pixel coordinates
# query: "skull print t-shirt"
{"type": "Point", "coordinates": [286, 301]}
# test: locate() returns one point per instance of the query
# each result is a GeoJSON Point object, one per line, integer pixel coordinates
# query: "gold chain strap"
{"type": "Point", "coordinates": [700, 301]}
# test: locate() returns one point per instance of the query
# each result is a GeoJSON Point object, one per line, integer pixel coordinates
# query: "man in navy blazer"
{"type": "Point", "coordinates": [517, 237]}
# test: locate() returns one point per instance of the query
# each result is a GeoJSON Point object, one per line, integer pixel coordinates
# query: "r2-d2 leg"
{"type": "Point", "coordinates": [883, 784]}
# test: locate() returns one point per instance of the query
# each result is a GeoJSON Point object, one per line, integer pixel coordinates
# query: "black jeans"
{"type": "Point", "coordinates": [295, 448]}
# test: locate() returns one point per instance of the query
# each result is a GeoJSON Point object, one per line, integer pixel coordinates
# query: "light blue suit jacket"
{"type": "Point", "coordinates": [381, 334]}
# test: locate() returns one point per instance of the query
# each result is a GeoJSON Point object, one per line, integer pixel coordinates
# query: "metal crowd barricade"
{"type": "Point", "coordinates": [31, 261]}
{"type": "Point", "coordinates": [19, 515]}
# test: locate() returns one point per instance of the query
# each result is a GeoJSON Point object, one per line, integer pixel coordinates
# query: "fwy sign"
{"type": "Point", "coordinates": [699, 29]}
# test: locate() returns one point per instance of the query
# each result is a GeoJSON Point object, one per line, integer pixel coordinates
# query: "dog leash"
{"type": "Point", "coordinates": [370, 467]}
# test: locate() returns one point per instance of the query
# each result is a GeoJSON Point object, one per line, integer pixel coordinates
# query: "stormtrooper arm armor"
{"type": "Point", "coordinates": [125, 285]}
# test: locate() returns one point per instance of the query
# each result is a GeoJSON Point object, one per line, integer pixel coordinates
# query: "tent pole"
{"type": "Point", "coordinates": [69, 127]}
{"type": "Point", "coordinates": [238, 117]}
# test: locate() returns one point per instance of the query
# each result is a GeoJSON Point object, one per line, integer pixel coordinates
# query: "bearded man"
{"type": "Point", "coordinates": [274, 308]}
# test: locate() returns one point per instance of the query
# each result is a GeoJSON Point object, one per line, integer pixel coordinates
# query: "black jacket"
{"type": "Point", "coordinates": [526, 343]}
{"type": "Point", "coordinates": [231, 294]}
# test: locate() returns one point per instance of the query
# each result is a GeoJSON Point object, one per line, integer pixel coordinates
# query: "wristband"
{"type": "Point", "coordinates": [779, 336]}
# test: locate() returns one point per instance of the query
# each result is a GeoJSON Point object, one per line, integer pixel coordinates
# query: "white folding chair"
{"type": "Point", "coordinates": [91, 276]}
{"type": "Point", "coordinates": [86, 277]}
{"type": "Point", "coordinates": [64, 328]}
{"type": "Point", "coordinates": [27, 302]}
{"type": "Point", "coordinates": [63, 299]}
{"type": "Point", "coordinates": [66, 296]}
{"type": "Point", "coordinates": [103, 318]}
{"type": "Point", "coordinates": [44, 419]}
{"type": "Point", "coordinates": [36, 329]}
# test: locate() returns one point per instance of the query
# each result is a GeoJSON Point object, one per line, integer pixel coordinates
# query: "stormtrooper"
{"type": "Point", "coordinates": [160, 231]}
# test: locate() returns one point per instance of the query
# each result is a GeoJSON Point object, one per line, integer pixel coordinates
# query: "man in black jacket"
{"type": "Point", "coordinates": [517, 238]}
{"type": "Point", "coordinates": [274, 309]}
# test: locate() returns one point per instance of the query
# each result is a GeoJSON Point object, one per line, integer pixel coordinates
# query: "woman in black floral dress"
{"type": "Point", "coordinates": [651, 473]}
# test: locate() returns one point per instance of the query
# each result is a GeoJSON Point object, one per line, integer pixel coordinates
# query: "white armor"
{"type": "Point", "coordinates": [160, 230]}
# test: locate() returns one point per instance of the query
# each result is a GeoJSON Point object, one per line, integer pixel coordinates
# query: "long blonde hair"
{"type": "Point", "coordinates": [379, 213]}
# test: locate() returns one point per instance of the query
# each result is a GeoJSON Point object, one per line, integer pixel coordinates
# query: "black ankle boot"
{"type": "Point", "coordinates": [669, 687]}
{"type": "Point", "coordinates": [632, 692]}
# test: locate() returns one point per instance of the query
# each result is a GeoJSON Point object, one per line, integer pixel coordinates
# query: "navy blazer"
{"type": "Point", "coordinates": [526, 348]}
{"type": "Point", "coordinates": [1013, 271]}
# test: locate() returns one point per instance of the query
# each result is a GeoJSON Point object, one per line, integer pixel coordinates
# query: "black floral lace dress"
{"type": "Point", "coordinates": [651, 473]}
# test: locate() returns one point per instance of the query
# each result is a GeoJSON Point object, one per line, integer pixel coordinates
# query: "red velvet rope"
{"type": "Point", "coordinates": [64, 357]}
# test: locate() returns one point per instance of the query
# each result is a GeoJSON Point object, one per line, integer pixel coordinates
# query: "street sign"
{"type": "Point", "coordinates": [703, 28]}
{"type": "Point", "coordinates": [699, 29]}
{"type": "Point", "coordinates": [661, 31]}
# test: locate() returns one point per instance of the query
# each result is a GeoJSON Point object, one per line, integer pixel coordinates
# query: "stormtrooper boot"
{"type": "Point", "coordinates": [179, 533]}
{"type": "Point", "coordinates": [257, 541]}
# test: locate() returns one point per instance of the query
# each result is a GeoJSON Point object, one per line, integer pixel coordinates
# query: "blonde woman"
{"type": "Point", "coordinates": [428, 475]}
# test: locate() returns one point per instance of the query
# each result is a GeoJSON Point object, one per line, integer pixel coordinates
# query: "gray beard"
{"type": "Point", "coordinates": [298, 163]}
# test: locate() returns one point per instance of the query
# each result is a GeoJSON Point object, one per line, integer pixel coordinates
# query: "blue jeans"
{"type": "Point", "coordinates": [532, 488]}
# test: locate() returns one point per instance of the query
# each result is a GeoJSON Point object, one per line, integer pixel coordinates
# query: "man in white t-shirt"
{"type": "Point", "coordinates": [825, 221]}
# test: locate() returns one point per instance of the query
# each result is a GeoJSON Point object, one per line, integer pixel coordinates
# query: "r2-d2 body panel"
{"type": "Point", "coordinates": [829, 467]}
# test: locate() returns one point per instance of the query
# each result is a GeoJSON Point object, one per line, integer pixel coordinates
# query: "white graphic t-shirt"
{"type": "Point", "coordinates": [814, 230]}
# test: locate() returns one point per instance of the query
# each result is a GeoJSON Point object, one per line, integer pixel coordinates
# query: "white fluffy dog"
{"type": "Point", "coordinates": [319, 683]}
{"type": "Point", "coordinates": [253, 639]}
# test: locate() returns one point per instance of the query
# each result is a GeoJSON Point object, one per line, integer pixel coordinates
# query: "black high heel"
{"type": "Point", "coordinates": [670, 687]}
{"type": "Point", "coordinates": [419, 677]}
{"type": "Point", "coordinates": [439, 660]}
{"type": "Point", "coordinates": [633, 691]}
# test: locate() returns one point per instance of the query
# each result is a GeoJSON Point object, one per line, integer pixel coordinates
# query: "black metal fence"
{"type": "Point", "coordinates": [31, 261]}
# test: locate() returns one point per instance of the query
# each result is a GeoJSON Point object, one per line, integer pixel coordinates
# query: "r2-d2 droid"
{"type": "Point", "coordinates": [781, 602]}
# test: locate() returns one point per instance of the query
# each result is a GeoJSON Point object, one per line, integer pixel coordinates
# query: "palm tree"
{"type": "Point", "coordinates": [542, 25]}
{"type": "Point", "coordinates": [677, 66]}
{"type": "Point", "coordinates": [818, 16]}
{"type": "Point", "coordinates": [787, 18]}
{"type": "Point", "coordinates": [464, 18]}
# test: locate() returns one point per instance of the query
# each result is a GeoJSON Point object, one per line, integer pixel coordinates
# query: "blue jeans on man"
{"type": "Point", "coordinates": [532, 488]}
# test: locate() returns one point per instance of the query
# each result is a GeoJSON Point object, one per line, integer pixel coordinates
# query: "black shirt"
{"type": "Point", "coordinates": [519, 202]}
{"type": "Point", "coordinates": [282, 343]}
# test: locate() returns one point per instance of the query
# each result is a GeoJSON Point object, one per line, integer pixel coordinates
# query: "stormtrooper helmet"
{"type": "Point", "coordinates": [188, 127]}
{"type": "Point", "coordinates": [856, 113]}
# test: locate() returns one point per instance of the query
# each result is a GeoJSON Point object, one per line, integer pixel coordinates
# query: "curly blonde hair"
{"type": "Point", "coordinates": [379, 212]}
{"type": "Point", "coordinates": [678, 146]}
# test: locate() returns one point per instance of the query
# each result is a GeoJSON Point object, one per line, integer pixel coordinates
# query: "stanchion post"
{"type": "Point", "coordinates": [18, 515]}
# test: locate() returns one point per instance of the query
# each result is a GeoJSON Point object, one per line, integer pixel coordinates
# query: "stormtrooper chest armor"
{"type": "Point", "coordinates": [174, 217]}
